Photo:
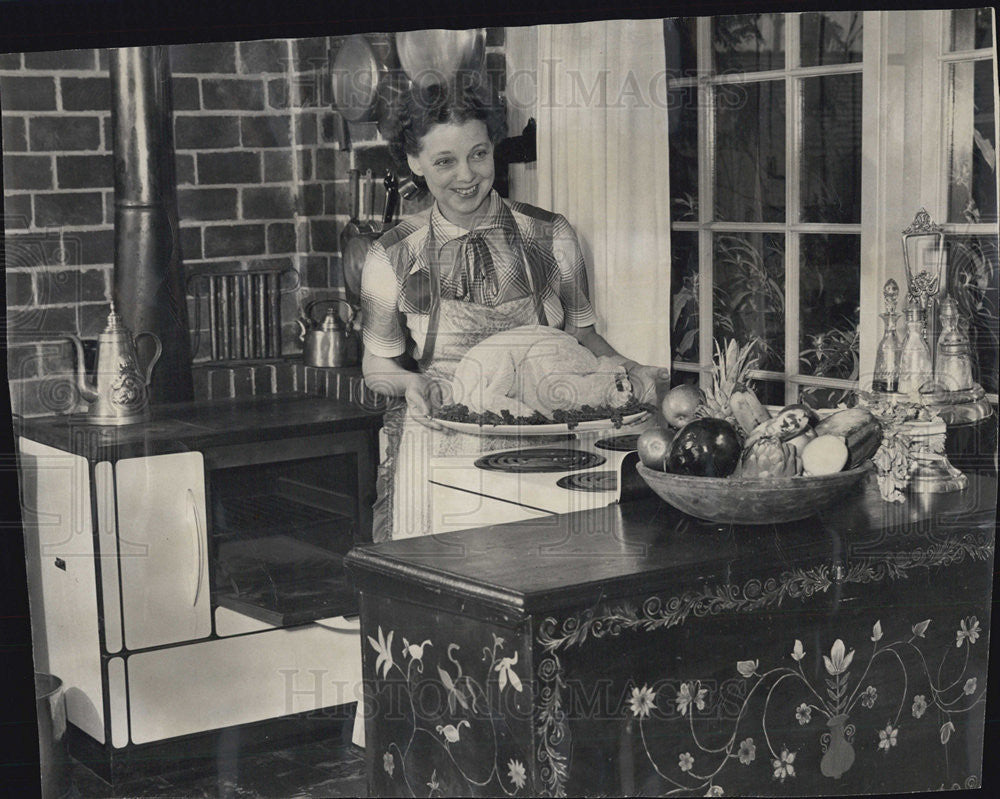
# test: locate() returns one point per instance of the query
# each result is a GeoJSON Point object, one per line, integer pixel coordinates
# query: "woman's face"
{"type": "Point", "coordinates": [456, 160]}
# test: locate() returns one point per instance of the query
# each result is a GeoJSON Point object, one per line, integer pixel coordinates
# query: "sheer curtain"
{"type": "Point", "coordinates": [603, 163]}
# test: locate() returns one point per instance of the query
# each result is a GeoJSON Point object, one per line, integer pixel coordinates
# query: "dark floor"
{"type": "Point", "coordinates": [322, 769]}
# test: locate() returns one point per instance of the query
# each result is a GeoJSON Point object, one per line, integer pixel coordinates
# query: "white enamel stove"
{"type": "Point", "coordinates": [532, 481]}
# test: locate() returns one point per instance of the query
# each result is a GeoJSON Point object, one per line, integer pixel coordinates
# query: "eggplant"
{"type": "Point", "coordinates": [705, 447]}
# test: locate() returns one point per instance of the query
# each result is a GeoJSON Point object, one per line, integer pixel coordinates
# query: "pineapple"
{"type": "Point", "coordinates": [730, 373]}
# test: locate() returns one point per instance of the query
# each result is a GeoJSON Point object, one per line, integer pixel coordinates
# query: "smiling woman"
{"type": "Point", "coordinates": [456, 162]}
{"type": "Point", "coordinates": [442, 282]}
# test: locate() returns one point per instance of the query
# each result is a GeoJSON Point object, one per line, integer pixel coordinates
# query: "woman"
{"type": "Point", "coordinates": [444, 280]}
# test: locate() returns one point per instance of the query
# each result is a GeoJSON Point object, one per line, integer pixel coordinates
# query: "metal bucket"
{"type": "Point", "coordinates": [50, 707]}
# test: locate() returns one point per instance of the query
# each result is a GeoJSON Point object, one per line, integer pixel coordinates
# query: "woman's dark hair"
{"type": "Point", "coordinates": [420, 107]}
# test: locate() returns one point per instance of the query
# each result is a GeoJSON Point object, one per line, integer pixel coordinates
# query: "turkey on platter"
{"type": "Point", "coordinates": [537, 368]}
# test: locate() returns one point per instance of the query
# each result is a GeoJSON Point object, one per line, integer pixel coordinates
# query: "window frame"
{"type": "Point", "coordinates": [940, 88]}
{"type": "Point", "coordinates": [792, 74]}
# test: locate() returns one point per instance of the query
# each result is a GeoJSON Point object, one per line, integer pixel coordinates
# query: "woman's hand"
{"type": "Point", "coordinates": [422, 396]}
{"type": "Point", "coordinates": [644, 381]}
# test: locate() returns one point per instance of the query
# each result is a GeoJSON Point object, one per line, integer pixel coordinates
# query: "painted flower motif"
{"type": "Point", "coordinates": [838, 662]}
{"type": "Point", "coordinates": [388, 763]}
{"type": "Point", "coordinates": [685, 761]}
{"type": "Point", "coordinates": [434, 784]}
{"type": "Point", "coordinates": [714, 790]}
{"type": "Point", "coordinates": [516, 773]}
{"type": "Point", "coordinates": [969, 631]}
{"type": "Point", "coordinates": [887, 737]}
{"type": "Point", "coordinates": [383, 646]}
{"type": "Point", "coordinates": [415, 651]}
{"type": "Point", "coordinates": [783, 765]}
{"type": "Point", "coordinates": [869, 696]}
{"type": "Point", "coordinates": [747, 667]}
{"type": "Point", "coordinates": [970, 686]}
{"type": "Point", "coordinates": [919, 706]}
{"type": "Point", "coordinates": [803, 713]}
{"type": "Point", "coordinates": [507, 673]}
{"type": "Point", "coordinates": [452, 687]}
{"type": "Point", "coordinates": [451, 732]}
{"type": "Point", "coordinates": [797, 651]}
{"type": "Point", "coordinates": [685, 698]}
{"type": "Point", "coordinates": [920, 628]}
{"type": "Point", "coordinates": [641, 701]}
{"type": "Point", "coordinates": [877, 631]}
{"type": "Point", "coordinates": [946, 730]}
{"type": "Point", "coordinates": [748, 752]}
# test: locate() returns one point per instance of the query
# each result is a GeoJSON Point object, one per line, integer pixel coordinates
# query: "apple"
{"type": "Point", "coordinates": [680, 403]}
{"type": "Point", "coordinates": [654, 447]}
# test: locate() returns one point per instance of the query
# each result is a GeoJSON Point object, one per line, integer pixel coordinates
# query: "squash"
{"type": "Point", "coordinates": [859, 431]}
{"type": "Point", "coordinates": [788, 424]}
{"type": "Point", "coordinates": [747, 409]}
{"type": "Point", "coordinates": [825, 454]}
{"type": "Point", "coordinates": [803, 438]}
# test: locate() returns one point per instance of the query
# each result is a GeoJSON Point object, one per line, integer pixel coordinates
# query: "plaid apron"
{"type": "Point", "coordinates": [403, 508]}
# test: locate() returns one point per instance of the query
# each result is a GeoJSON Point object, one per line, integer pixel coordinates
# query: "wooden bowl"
{"type": "Point", "coordinates": [751, 500]}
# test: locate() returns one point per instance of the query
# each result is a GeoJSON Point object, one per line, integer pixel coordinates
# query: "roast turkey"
{"type": "Point", "coordinates": [537, 368]}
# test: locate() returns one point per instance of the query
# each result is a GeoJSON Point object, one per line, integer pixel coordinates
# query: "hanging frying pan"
{"type": "Point", "coordinates": [356, 76]}
{"type": "Point", "coordinates": [434, 56]}
{"type": "Point", "coordinates": [354, 239]}
{"type": "Point", "coordinates": [358, 234]}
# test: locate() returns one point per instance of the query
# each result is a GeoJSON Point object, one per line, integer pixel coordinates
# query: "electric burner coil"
{"type": "Point", "coordinates": [538, 460]}
{"type": "Point", "coordinates": [590, 481]}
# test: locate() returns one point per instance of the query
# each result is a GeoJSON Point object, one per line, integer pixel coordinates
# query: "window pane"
{"type": "Point", "coordinates": [770, 392]}
{"type": "Point", "coordinates": [971, 28]}
{"type": "Point", "coordinates": [684, 299]}
{"type": "Point", "coordinates": [972, 281]}
{"type": "Point", "coordinates": [831, 37]}
{"type": "Point", "coordinates": [750, 152]}
{"type": "Point", "coordinates": [820, 397]}
{"type": "Point", "coordinates": [681, 38]}
{"type": "Point", "coordinates": [748, 42]}
{"type": "Point", "coordinates": [831, 149]}
{"type": "Point", "coordinates": [972, 183]}
{"type": "Point", "coordinates": [748, 300]}
{"type": "Point", "coordinates": [829, 299]}
{"type": "Point", "coordinates": [684, 154]}
{"type": "Point", "coordinates": [681, 378]}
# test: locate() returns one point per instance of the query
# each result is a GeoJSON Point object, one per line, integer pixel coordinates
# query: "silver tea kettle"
{"type": "Point", "coordinates": [120, 391]}
{"type": "Point", "coordinates": [327, 344]}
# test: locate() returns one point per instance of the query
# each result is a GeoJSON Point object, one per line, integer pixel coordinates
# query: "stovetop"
{"type": "Point", "coordinates": [606, 480]}
{"type": "Point", "coordinates": [581, 473]}
{"type": "Point", "coordinates": [539, 460]}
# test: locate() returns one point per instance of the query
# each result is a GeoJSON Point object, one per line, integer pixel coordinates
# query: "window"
{"type": "Point", "coordinates": [765, 180]}
{"type": "Point", "coordinates": [970, 180]}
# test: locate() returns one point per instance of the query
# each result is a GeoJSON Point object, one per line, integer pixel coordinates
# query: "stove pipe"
{"type": "Point", "coordinates": [148, 284]}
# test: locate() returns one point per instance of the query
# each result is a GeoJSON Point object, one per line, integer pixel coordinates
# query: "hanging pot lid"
{"type": "Point", "coordinates": [356, 75]}
{"type": "Point", "coordinates": [434, 56]}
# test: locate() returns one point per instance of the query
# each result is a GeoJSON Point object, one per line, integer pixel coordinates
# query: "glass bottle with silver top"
{"type": "Point", "coordinates": [953, 365]}
{"type": "Point", "coordinates": [915, 366]}
{"type": "Point", "coordinates": [887, 359]}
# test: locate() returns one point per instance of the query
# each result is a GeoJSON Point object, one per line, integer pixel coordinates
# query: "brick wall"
{"type": "Point", "coordinates": [259, 180]}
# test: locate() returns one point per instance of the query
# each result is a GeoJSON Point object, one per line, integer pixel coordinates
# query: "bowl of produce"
{"type": "Point", "coordinates": [756, 500]}
{"type": "Point", "coordinates": [730, 460]}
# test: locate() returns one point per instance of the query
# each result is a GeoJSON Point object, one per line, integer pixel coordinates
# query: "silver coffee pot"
{"type": "Point", "coordinates": [119, 393]}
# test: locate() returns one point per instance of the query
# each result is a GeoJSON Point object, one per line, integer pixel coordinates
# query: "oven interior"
{"type": "Point", "coordinates": [279, 533]}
